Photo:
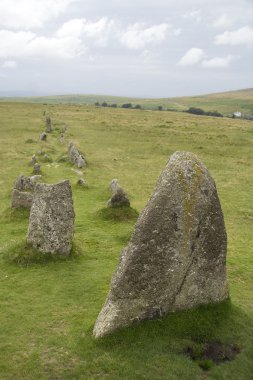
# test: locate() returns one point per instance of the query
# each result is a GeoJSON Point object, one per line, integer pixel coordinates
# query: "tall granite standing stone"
{"type": "Point", "coordinates": [176, 258]}
{"type": "Point", "coordinates": [51, 225]}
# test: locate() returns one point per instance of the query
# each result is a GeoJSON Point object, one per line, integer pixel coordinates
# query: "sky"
{"type": "Point", "coordinates": [137, 48]}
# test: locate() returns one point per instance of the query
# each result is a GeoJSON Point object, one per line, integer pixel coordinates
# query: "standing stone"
{"type": "Point", "coordinates": [176, 258]}
{"type": "Point", "coordinates": [26, 183]}
{"type": "Point", "coordinates": [114, 185]}
{"type": "Point", "coordinates": [80, 161]}
{"type": "Point", "coordinates": [81, 182]}
{"type": "Point", "coordinates": [48, 124]}
{"type": "Point", "coordinates": [33, 160]}
{"type": "Point", "coordinates": [51, 225]}
{"type": "Point", "coordinates": [36, 168]}
{"type": "Point", "coordinates": [62, 139]}
{"type": "Point", "coordinates": [43, 136]}
{"type": "Point", "coordinates": [75, 156]}
{"type": "Point", "coordinates": [21, 199]}
{"type": "Point", "coordinates": [119, 199]}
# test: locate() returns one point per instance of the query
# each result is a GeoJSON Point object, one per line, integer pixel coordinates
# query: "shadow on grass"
{"type": "Point", "coordinates": [218, 322]}
{"type": "Point", "coordinates": [118, 214]}
{"type": "Point", "coordinates": [16, 214]}
{"type": "Point", "coordinates": [23, 254]}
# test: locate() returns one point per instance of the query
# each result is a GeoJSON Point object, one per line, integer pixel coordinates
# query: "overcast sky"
{"type": "Point", "coordinates": [158, 48]}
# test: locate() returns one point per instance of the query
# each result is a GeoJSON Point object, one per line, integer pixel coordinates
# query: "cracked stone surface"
{"type": "Point", "coordinates": [176, 258]}
{"type": "Point", "coordinates": [51, 224]}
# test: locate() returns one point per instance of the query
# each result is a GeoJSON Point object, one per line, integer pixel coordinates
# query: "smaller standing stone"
{"type": "Point", "coordinates": [51, 224]}
{"type": "Point", "coordinates": [75, 156]}
{"type": "Point", "coordinates": [114, 185]}
{"type": "Point", "coordinates": [33, 160]}
{"type": "Point", "coordinates": [26, 183]}
{"type": "Point", "coordinates": [80, 161]}
{"type": "Point", "coordinates": [43, 136]}
{"type": "Point", "coordinates": [62, 139]}
{"type": "Point", "coordinates": [21, 199]}
{"type": "Point", "coordinates": [81, 182]}
{"type": "Point", "coordinates": [48, 124]}
{"type": "Point", "coordinates": [36, 169]}
{"type": "Point", "coordinates": [118, 199]}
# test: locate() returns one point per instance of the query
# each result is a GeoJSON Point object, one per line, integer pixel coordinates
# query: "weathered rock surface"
{"type": "Point", "coordinates": [26, 183]}
{"type": "Point", "coordinates": [43, 136]}
{"type": "Point", "coordinates": [75, 156]}
{"type": "Point", "coordinates": [176, 258]}
{"type": "Point", "coordinates": [119, 198]}
{"type": "Point", "coordinates": [36, 169]}
{"type": "Point", "coordinates": [51, 224]}
{"type": "Point", "coordinates": [114, 185]}
{"type": "Point", "coordinates": [33, 160]}
{"type": "Point", "coordinates": [21, 199]}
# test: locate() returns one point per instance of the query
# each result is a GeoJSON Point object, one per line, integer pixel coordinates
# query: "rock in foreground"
{"type": "Point", "coordinates": [176, 258]}
{"type": "Point", "coordinates": [51, 225]}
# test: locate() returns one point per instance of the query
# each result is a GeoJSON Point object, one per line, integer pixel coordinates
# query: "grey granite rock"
{"type": "Point", "coordinates": [36, 169]}
{"type": "Point", "coordinates": [176, 258]}
{"type": "Point", "coordinates": [114, 185]}
{"type": "Point", "coordinates": [43, 136]}
{"type": "Point", "coordinates": [51, 224]}
{"type": "Point", "coordinates": [75, 157]}
{"type": "Point", "coordinates": [33, 160]}
{"type": "Point", "coordinates": [119, 198]}
{"type": "Point", "coordinates": [21, 199]}
{"type": "Point", "coordinates": [26, 183]}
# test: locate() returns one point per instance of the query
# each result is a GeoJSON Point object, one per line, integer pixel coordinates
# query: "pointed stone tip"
{"type": "Point", "coordinates": [108, 320]}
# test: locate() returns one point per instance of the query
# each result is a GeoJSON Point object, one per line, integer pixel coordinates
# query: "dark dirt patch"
{"type": "Point", "coordinates": [212, 353]}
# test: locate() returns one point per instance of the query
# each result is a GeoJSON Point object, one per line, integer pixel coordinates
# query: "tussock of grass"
{"type": "Point", "coordinates": [23, 254]}
{"type": "Point", "coordinates": [119, 214]}
{"type": "Point", "coordinates": [30, 141]}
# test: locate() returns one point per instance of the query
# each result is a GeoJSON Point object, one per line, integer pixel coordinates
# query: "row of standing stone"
{"type": "Point", "coordinates": [176, 257]}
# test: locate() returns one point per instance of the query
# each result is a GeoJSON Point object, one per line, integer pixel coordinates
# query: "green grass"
{"type": "Point", "coordinates": [225, 102]}
{"type": "Point", "coordinates": [49, 305]}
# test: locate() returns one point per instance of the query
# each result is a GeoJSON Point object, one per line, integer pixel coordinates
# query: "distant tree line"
{"type": "Point", "coordinates": [114, 105]}
{"type": "Point", "coordinates": [199, 111]}
{"type": "Point", "coordinates": [125, 105]}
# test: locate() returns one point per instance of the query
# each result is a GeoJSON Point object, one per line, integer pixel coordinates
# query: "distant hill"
{"type": "Point", "coordinates": [225, 102]}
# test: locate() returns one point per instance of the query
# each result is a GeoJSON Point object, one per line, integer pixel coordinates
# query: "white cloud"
{"type": "Point", "coordinates": [99, 31]}
{"type": "Point", "coordinates": [192, 57]}
{"type": "Point", "coordinates": [27, 44]}
{"type": "Point", "coordinates": [223, 21]}
{"type": "Point", "coordinates": [9, 65]}
{"type": "Point", "coordinates": [138, 37]}
{"type": "Point", "coordinates": [242, 36]}
{"type": "Point", "coordinates": [27, 14]}
{"type": "Point", "coordinates": [12, 44]}
{"type": "Point", "coordinates": [217, 62]}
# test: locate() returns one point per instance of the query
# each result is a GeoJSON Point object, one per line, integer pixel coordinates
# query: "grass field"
{"type": "Point", "coordinates": [227, 102]}
{"type": "Point", "coordinates": [49, 307]}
